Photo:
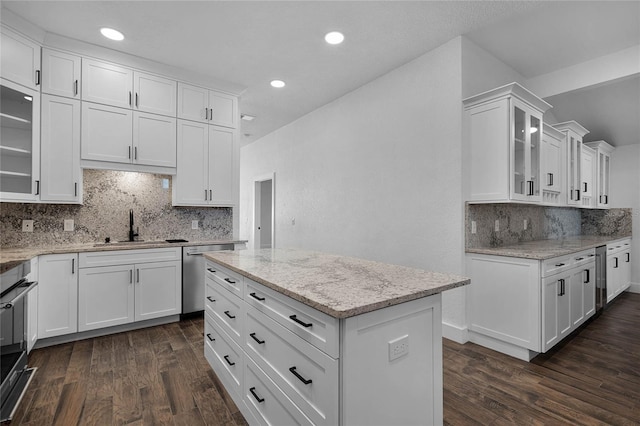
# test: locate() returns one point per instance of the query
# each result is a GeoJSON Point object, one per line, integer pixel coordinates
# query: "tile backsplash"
{"type": "Point", "coordinates": [108, 197]}
{"type": "Point", "coordinates": [543, 222]}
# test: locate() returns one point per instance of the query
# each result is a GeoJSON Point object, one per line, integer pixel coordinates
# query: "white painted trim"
{"type": "Point", "coordinates": [634, 288]}
{"type": "Point", "coordinates": [503, 347]}
{"type": "Point", "coordinates": [255, 201]}
{"type": "Point", "coordinates": [456, 333]}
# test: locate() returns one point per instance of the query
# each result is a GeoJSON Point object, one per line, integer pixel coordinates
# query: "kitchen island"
{"type": "Point", "coordinates": [313, 338]}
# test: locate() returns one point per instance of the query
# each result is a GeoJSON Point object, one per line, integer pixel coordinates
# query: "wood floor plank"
{"type": "Point", "coordinates": [97, 412]}
{"type": "Point", "coordinates": [70, 404]}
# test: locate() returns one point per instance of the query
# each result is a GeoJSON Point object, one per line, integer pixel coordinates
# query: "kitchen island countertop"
{"type": "Point", "coordinates": [339, 286]}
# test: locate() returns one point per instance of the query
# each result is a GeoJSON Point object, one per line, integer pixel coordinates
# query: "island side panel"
{"type": "Point", "coordinates": [405, 390]}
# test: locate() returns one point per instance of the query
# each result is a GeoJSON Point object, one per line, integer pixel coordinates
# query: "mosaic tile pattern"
{"type": "Point", "coordinates": [108, 196]}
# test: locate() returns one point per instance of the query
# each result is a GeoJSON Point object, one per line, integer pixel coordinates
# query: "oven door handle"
{"type": "Point", "coordinates": [10, 304]}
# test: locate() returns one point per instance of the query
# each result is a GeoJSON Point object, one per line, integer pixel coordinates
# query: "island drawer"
{"type": "Point", "coordinates": [124, 257]}
{"type": "Point", "coordinates": [224, 356]}
{"type": "Point", "coordinates": [225, 278]}
{"type": "Point", "coordinates": [266, 402]}
{"type": "Point", "coordinates": [317, 328]}
{"type": "Point", "coordinates": [305, 374]}
{"type": "Point", "coordinates": [557, 264]}
{"type": "Point", "coordinates": [225, 308]}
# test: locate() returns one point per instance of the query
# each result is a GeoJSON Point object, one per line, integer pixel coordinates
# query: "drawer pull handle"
{"type": "Point", "coordinates": [210, 299]}
{"type": "Point", "coordinates": [255, 296]}
{"type": "Point", "coordinates": [253, 336]}
{"type": "Point", "coordinates": [226, 358]}
{"type": "Point", "coordinates": [559, 265]}
{"type": "Point", "coordinates": [579, 258]}
{"type": "Point", "coordinates": [586, 280]}
{"type": "Point", "coordinates": [229, 315]}
{"type": "Point", "coordinates": [211, 270]}
{"type": "Point", "coordinates": [304, 324]}
{"type": "Point", "coordinates": [302, 379]}
{"type": "Point", "coordinates": [229, 281]}
{"type": "Point", "coordinates": [253, 392]}
{"type": "Point", "coordinates": [210, 338]}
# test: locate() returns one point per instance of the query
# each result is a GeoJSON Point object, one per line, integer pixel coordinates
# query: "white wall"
{"type": "Point", "coordinates": [374, 174]}
{"type": "Point", "coordinates": [625, 192]}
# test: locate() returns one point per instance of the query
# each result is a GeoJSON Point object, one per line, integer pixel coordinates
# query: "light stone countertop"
{"type": "Point", "coordinates": [11, 257]}
{"type": "Point", "coordinates": [547, 249]}
{"type": "Point", "coordinates": [336, 285]}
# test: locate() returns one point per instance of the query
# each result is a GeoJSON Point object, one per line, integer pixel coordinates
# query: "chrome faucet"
{"type": "Point", "coordinates": [132, 234]}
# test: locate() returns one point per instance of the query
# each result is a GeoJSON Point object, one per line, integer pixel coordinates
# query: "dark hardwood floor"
{"type": "Point", "coordinates": [159, 376]}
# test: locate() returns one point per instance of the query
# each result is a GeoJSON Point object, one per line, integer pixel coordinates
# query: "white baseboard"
{"type": "Point", "coordinates": [633, 288]}
{"type": "Point", "coordinates": [456, 333]}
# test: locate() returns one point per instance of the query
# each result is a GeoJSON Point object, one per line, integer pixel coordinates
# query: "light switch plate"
{"type": "Point", "coordinates": [526, 224]}
{"type": "Point", "coordinates": [68, 225]}
{"type": "Point", "coordinates": [497, 227]}
{"type": "Point", "coordinates": [474, 229]}
{"type": "Point", "coordinates": [27, 226]}
{"type": "Point", "coordinates": [194, 224]}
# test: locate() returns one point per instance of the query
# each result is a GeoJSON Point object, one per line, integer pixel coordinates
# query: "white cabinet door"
{"type": "Point", "coordinates": [60, 74]}
{"type": "Point", "coordinates": [158, 289]}
{"type": "Point", "coordinates": [190, 185]}
{"type": "Point", "coordinates": [154, 94]}
{"type": "Point", "coordinates": [613, 276]}
{"type": "Point", "coordinates": [20, 58]}
{"type": "Point", "coordinates": [552, 144]}
{"type": "Point", "coordinates": [582, 294]}
{"type": "Point", "coordinates": [556, 308]}
{"type": "Point", "coordinates": [588, 165]}
{"type": "Point", "coordinates": [589, 286]}
{"type": "Point", "coordinates": [525, 152]}
{"type": "Point", "coordinates": [105, 297]}
{"type": "Point", "coordinates": [154, 140]}
{"type": "Point", "coordinates": [60, 150]}
{"type": "Point", "coordinates": [603, 179]}
{"type": "Point", "coordinates": [107, 83]}
{"type": "Point", "coordinates": [193, 103]}
{"type": "Point", "coordinates": [625, 269]}
{"type": "Point", "coordinates": [221, 165]}
{"type": "Point", "coordinates": [223, 109]}
{"type": "Point", "coordinates": [106, 133]}
{"type": "Point", "coordinates": [57, 295]}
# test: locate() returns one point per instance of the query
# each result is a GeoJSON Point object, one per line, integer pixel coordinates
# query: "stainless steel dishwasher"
{"type": "Point", "coordinates": [193, 276]}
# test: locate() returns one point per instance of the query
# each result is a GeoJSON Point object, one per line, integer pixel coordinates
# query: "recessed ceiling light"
{"type": "Point", "coordinates": [334, 37]}
{"type": "Point", "coordinates": [277, 83]}
{"type": "Point", "coordinates": [112, 34]}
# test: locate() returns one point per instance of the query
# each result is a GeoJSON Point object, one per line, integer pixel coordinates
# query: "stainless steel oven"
{"type": "Point", "coordinates": [16, 376]}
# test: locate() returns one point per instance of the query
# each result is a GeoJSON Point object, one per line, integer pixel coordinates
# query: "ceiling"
{"type": "Point", "coordinates": [246, 44]}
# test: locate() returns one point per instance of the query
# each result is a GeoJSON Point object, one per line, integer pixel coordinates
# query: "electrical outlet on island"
{"type": "Point", "coordinates": [27, 226]}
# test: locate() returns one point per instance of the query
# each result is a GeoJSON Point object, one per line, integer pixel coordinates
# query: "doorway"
{"type": "Point", "coordinates": [264, 212]}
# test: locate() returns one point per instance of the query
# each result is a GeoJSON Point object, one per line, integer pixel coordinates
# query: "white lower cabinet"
{"type": "Point", "coordinates": [32, 307]}
{"type": "Point", "coordinates": [131, 287]}
{"type": "Point", "coordinates": [618, 268]}
{"type": "Point", "coordinates": [285, 363]}
{"type": "Point", "coordinates": [57, 295]}
{"type": "Point", "coordinates": [522, 307]}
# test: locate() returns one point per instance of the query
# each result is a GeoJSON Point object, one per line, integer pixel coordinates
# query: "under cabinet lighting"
{"type": "Point", "coordinates": [28, 98]}
{"type": "Point", "coordinates": [112, 34]}
{"type": "Point", "coordinates": [277, 83]}
{"type": "Point", "coordinates": [334, 37]}
{"type": "Point", "coordinates": [534, 129]}
{"type": "Point", "coordinates": [247, 117]}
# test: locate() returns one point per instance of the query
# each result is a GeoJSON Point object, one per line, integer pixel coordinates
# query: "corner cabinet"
{"type": "Point", "coordinates": [574, 133]}
{"type": "Point", "coordinates": [207, 165]}
{"type": "Point", "coordinates": [603, 160]}
{"type": "Point", "coordinates": [503, 129]}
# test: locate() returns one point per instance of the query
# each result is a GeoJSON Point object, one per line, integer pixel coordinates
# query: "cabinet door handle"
{"type": "Point", "coordinates": [302, 379]}
{"type": "Point", "coordinates": [628, 257]}
{"type": "Point", "coordinates": [75, 88]}
{"type": "Point", "coordinates": [210, 299]}
{"type": "Point", "coordinates": [229, 315]}
{"type": "Point", "coordinates": [253, 336]}
{"type": "Point", "coordinates": [129, 97]}
{"type": "Point", "coordinates": [137, 275]}
{"type": "Point", "coordinates": [73, 266]}
{"type": "Point", "coordinates": [135, 153]}
{"type": "Point", "coordinates": [129, 157]}
{"type": "Point", "coordinates": [255, 296]}
{"type": "Point", "coordinates": [226, 358]}
{"type": "Point", "coordinates": [229, 281]}
{"type": "Point", "coordinates": [588, 278]}
{"type": "Point", "coordinates": [136, 99]}
{"type": "Point", "coordinates": [616, 259]}
{"type": "Point", "coordinates": [530, 186]}
{"type": "Point", "coordinates": [253, 392]}
{"type": "Point", "coordinates": [75, 189]}
{"type": "Point", "coordinates": [585, 186]}
{"type": "Point", "coordinates": [304, 324]}
{"type": "Point", "coordinates": [210, 338]}
{"type": "Point", "coordinates": [205, 195]}
{"type": "Point", "coordinates": [37, 77]}
{"type": "Point", "coordinates": [130, 276]}
{"type": "Point", "coordinates": [561, 282]}
{"type": "Point", "coordinates": [37, 187]}
{"type": "Point", "coordinates": [577, 195]}
{"type": "Point", "coordinates": [206, 113]}
{"type": "Point", "coordinates": [210, 195]}
{"type": "Point", "coordinates": [550, 179]}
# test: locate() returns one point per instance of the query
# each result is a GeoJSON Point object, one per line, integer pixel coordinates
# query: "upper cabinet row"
{"type": "Point", "coordinates": [512, 156]}
{"type": "Point", "coordinates": [62, 111]}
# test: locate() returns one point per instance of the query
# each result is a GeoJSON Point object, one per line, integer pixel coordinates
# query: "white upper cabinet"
{"type": "Point", "coordinates": [207, 106]}
{"type": "Point", "coordinates": [107, 133]}
{"type": "Point", "coordinates": [552, 160]}
{"type": "Point", "coordinates": [20, 58]}
{"type": "Point", "coordinates": [503, 129]}
{"type": "Point", "coordinates": [154, 140]}
{"type": "Point", "coordinates": [106, 83]}
{"type": "Point", "coordinates": [603, 158]}
{"type": "Point", "coordinates": [574, 133]}
{"type": "Point", "coordinates": [588, 172]}
{"type": "Point", "coordinates": [60, 73]}
{"type": "Point", "coordinates": [60, 150]}
{"type": "Point", "coordinates": [154, 94]}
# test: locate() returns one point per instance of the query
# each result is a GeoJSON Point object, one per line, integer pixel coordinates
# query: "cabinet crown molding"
{"type": "Point", "coordinates": [601, 145]}
{"type": "Point", "coordinates": [573, 126]}
{"type": "Point", "coordinates": [511, 89]}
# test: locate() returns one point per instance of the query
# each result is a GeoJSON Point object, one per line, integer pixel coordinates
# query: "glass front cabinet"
{"type": "Point", "coordinates": [19, 142]}
{"type": "Point", "coordinates": [574, 133]}
{"type": "Point", "coordinates": [503, 145]}
{"type": "Point", "coordinates": [603, 158]}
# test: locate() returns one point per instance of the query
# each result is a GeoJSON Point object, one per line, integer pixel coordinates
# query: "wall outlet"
{"type": "Point", "coordinates": [293, 221]}
{"type": "Point", "coordinates": [398, 347]}
{"type": "Point", "coordinates": [474, 228]}
{"type": "Point", "coordinates": [68, 225]}
{"type": "Point", "coordinates": [194, 224]}
{"type": "Point", "coordinates": [526, 224]}
{"type": "Point", "coordinates": [27, 226]}
{"type": "Point", "coordinates": [497, 227]}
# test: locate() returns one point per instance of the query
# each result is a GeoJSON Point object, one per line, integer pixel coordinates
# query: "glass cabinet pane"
{"type": "Point", "coordinates": [605, 179]}
{"type": "Point", "coordinates": [519, 138]}
{"type": "Point", "coordinates": [534, 132]}
{"type": "Point", "coordinates": [16, 140]}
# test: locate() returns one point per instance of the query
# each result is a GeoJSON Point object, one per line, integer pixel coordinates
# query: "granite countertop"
{"type": "Point", "coordinates": [547, 249]}
{"type": "Point", "coordinates": [336, 285]}
{"type": "Point", "coordinates": [11, 257]}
